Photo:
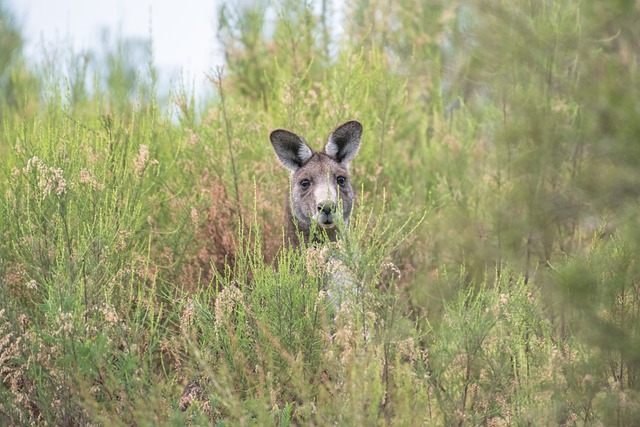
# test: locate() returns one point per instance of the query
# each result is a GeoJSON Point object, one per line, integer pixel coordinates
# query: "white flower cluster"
{"type": "Point", "coordinates": [49, 178]}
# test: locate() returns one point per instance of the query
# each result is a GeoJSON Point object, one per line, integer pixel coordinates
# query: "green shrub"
{"type": "Point", "coordinates": [488, 276]}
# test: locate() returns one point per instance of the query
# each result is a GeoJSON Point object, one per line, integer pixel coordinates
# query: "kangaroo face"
{"type": "Point", "coordinates": [321, 190]}
{"type": "Point", "coordinates": [320, 184]}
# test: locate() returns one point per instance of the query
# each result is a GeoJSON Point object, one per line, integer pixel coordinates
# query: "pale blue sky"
{"type": "Point", "coordinates": [183, 31]}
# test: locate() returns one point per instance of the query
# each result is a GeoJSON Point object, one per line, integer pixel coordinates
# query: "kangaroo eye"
{"type": "Point", "coordinates": [305, 183]}
{"type": "Point", "coordinates": [341, 180]}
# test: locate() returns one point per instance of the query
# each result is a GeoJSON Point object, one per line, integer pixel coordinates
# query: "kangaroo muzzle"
{"type": "Point", "coordinates": [326, 214]}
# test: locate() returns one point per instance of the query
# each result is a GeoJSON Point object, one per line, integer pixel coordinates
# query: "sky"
{"type": "Point", "coordinates": [183, 32]}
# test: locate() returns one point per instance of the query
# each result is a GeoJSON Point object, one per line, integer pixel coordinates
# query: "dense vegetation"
{"type": "Point", "coordinates": [493, 252]}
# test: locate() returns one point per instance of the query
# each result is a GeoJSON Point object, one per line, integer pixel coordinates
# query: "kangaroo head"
{"type": "Point", "coordinates": [320, 185]}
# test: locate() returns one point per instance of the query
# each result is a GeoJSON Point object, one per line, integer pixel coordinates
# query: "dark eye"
{"type": "Point", "coordinates": [305, 183]}
{"type": "Point", "coordinates": [341, 180]}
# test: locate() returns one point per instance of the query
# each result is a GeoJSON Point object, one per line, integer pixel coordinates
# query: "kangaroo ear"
{"type": "Point", "coordinates": [344, 142]}
{"type": "Point", "coordinates": [292, 150]}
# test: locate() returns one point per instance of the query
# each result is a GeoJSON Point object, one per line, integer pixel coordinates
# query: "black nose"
{"type": "Point", "coordinates": [327, 207]}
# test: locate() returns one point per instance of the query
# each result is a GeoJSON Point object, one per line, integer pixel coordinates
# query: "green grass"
{"type": "Point", "coordinates": [489, 275]}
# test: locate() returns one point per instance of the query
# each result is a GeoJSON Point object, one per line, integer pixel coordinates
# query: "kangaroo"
{"type": "Point", "coordinates": [320, 185]}
{"type": "Point", "coordinates": [320, 190]}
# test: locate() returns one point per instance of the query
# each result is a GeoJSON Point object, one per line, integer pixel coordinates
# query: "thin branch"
{"type": "Point", "coordinates": [217, 78]}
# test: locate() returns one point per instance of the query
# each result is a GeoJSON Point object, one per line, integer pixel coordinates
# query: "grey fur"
{"type": "Point", "coordinates": [316, 196]}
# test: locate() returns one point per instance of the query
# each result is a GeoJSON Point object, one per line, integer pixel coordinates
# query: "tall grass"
{"type": "Point", "coordinates": [488, 277]}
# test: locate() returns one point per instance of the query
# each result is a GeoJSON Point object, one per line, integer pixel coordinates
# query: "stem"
{"type": "Point", "coordinates": [218, 81]}
{"type": "Point", "coordinates": [467, 378]}
{"type": "Point", "coordinates": [67, 236]}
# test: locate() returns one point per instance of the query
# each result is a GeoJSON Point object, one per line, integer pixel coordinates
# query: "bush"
{"type": "Point", "coordinates": [488, 275]}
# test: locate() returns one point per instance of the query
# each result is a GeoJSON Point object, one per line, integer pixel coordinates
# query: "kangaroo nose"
{"type": "Point", "coordinates": [327, 207]}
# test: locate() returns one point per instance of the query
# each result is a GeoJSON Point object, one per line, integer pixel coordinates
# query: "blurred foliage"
{"type": "Point", "coordinates": [17, 84]}
{"type": "Point", "coordinates": [141, 243]}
